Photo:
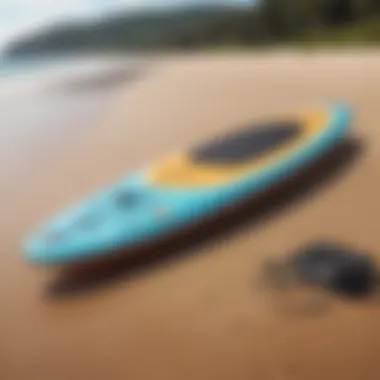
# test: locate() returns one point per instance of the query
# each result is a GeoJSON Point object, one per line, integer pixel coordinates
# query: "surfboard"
{"type": "Point", "coordinates": [182, 188]}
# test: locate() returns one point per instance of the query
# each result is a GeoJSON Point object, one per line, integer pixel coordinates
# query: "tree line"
{"type": "Point", "coordinates": [264, 22]}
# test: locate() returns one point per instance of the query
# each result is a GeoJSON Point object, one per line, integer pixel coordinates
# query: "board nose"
{"type": "Point", "coordinates": [344, 112]}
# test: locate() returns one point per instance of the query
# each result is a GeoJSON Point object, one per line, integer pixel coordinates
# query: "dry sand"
{"type": "Point", "coordinates": [200, 316]}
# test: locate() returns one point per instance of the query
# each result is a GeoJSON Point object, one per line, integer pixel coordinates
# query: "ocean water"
{"type": "Point", "coordinates": [30, 66]}
{"type": "Point", "coordinates": [12, 67]}
{"type": "Point", "coordinates": [20, 75]}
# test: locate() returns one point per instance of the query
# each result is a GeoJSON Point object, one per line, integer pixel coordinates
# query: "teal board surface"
{"type": "Point", "coordinates": [133, 210]}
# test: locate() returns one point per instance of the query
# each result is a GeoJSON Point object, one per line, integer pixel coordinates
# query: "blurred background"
{"type": "Point", "coordinates": [87, 43]}
{"type": "Point", "coordinates": [37, 28]}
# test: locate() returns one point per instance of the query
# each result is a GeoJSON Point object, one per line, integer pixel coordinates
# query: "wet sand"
{"type": "Point", "coordinates": [198, 312]}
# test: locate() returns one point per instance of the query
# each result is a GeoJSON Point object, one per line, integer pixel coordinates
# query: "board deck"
{"type": "Point", "coordinates": [185, 187]}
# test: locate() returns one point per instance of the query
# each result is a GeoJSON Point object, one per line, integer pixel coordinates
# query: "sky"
{"type": "Point", "coordinates": [18, 17]}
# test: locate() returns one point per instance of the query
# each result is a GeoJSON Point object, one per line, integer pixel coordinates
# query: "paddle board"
{"type": "Point", "coordinates": [183, 188]}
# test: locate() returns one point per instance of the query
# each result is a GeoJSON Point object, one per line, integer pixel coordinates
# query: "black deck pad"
{"type": "Point", "coordinates": [246, 144]}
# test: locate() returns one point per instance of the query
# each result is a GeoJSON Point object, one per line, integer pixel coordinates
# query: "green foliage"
{"type": "Point", "coordinates": [265, 22]}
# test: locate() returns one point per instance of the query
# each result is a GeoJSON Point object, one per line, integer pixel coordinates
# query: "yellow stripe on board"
{"type": "Point", "coordinates": [180, 171]}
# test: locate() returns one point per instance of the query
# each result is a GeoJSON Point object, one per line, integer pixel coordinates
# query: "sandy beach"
{"type": "Point", "coordinates": [198, 314]}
